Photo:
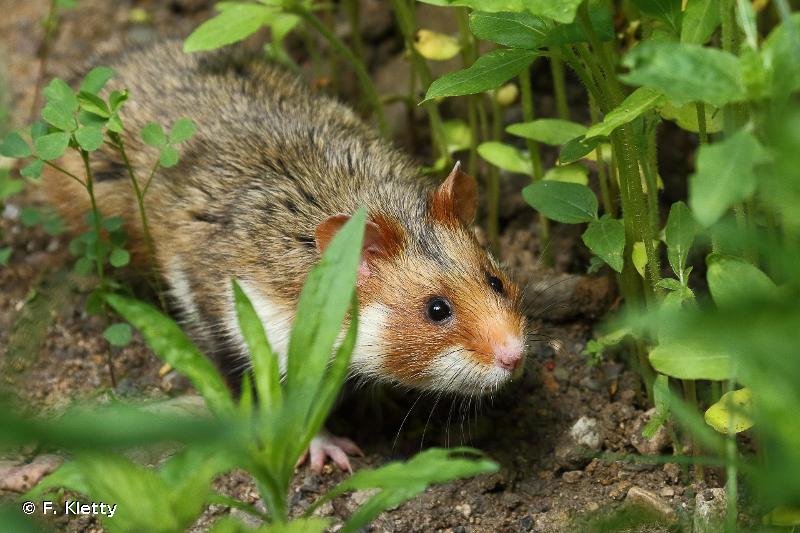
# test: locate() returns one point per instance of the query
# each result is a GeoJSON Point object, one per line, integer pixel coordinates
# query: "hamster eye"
{"type": "Point", "coordinates": [438, 309]}
{"type": "Point", "coordinates": [495, 284]}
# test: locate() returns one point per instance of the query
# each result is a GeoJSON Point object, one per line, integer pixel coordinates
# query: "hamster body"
{"type": "Point", "coordinates": [269, 176]}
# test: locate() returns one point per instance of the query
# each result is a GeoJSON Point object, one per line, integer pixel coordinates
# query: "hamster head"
{"type": "Point", "coordinates": [436, 310]}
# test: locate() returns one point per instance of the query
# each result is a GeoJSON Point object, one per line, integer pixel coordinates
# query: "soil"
{"type": "Point", "coordinates": [556, 432]}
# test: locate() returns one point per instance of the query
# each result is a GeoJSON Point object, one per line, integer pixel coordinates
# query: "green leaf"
{"type": "Point", "coordinates": [232, 25]}
{"type": "Point", "coordinates": [516, 30]}
{"type": "Point", "coordinates": [679, 235]}
{"type": "Point", "coordinates": [113, 223]}
{"type": "Point", "coordinates": [38, 128]}
{"type": "Point", "coordinates": [638, 102]}
{"type": "Point", "coordinates": [691, 359]}
{"type": "Point", "coordinates": [401, 481]}
{"type": "Point", "coordinates": [661, 398]}
{"type": "Point", "coordinates": [33, 170]}
{"type": "Point", "coordinates": [700, 20]}
{"type": "Point", "coordinates": [84, 266]}
{"type": "Point", "coordinates": [9, 187]}
{"type": "Point", "coordinates": [667, 11]}
{"type": "Point", "coordinates": [153, 134]}
{"type": "Point", "coordinates": [490, 71]}
{"type": "Point", "coordinates": [732, 413]}
{"type": "Point", "coordinates": [266, 371]}
{"type": "Point", "coordinates": [573, 33]}
{"type": "Point", "coordinates": [93, 104]}
{"type": "Point", "coordinates": [783, 516]}
{"type": "Point", "coordinates": [5, 255]}
{"type": "Point", "coordinates": [551, 131]}
{"type": "Point", "coordinates": [725, 175]}
{"type": "Point", "coordinates": [781, 52]}
{"type": "Point", "coordinates": [168, 157]}
{"type": "Point", "coordinates": [733, 282]}
{"type": "Point", "coordinates": [436, 46]}
{"type": "Point", "coordinates": [30, 216]}
{"type": "Point", "coordinates": [182, 130]}
{"type": "Point", "coordinates": [457, 134]}
{"type": "Point", "coordinates": [51, 146]}
{"type": "Point", "coordinates": [59, 93]}
{"type": "Point", "coordinates": [639, 257]}
{"type": "Point", "coordinates": [118, 334]}
{"type": "Point", "coordinates": [560, 11]}
{"type": "Point", "coordinates": [577, 149]}
{"type": "Point", "coordinates": [97, 78]}
{"type": "Point", "coordinates": [90, 138]}
{"type": "Point", "coordinates": [686, 73]}
{"type": "Point", "coordinates": [15, 146]}
{"type": "Point", "coordinates": [116, 99]}
{"type": "Point", "coordinates": [572, 173]}
{"type": "Point", "coordinates": [569, 203]}
{"type": "Point", "coordinates": [506, 157]}
{"type": "Point", "coordinates": [119, 257]}
{"type": "Point", "coordinates": [59, 116]}
{"type": "Point", "coordinates": [170, 344]}
{"type": "Point", "coordinates": [606, 239]}
{"type": "Point", "coordinates": [685, 116]}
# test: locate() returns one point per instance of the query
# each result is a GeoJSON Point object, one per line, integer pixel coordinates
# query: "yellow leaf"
{"type": "Point", "coordinates": [639, 257]}
{"type": "Point", "coordinates": [732, 411]}
{"type": "Point", "coordinates": [783, 516]}
{"type": "Point", "coordinates": [507, 94]}
{"type": "Point", "coordinates": [436, 46]}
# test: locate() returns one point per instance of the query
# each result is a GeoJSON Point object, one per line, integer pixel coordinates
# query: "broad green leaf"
{"type": "Point", "coordinates": [94, 104]}
{"type": "Point", "coordinates": [667, 11]}
{"type": "Point", "coordinates": [113, 223]}
{"type": "Point", "coordinates": [638, 102]}
{"type": "Point", "coordinates": [51, 146]}
{"type": "Point", "coordinates": [679, 235]}
{"type": "Point", "coordinates": [266, 371]}
{"type": "Point", "coordinates": [746, 17]}
{"type": "Point", "coordinates": [577, 149]}
{"type": "Point", "coordinates": [569, 203]}
{"type": "Point", "coordinates": [9, 187]}
{"type": "Point", "coordinates": [59, 93]}
{"type": "Point", "coordinates": [33, 169]}
{"type": "Point", "coordinates": [686, 73]}
{"type": "Point", "coordinates": [516, 30]}
{"type": "Point", "coordinates": [483, 5]}
{"type": "Point", "coordinates": [401, 481]}
{"type": "Point", "coordinates": [574, 32]}
{"type": "Point", "coordinates": [700, 20]}
{"type": "Point", "coordinates": [182, 130]}
{"type": "Point", "coordinates": [170, 344]}
{"type": "Point", "coordinates": [506, 157]}
{"type": "Point", "coordinates": [733, 412]}
{"type": "Point", "coordinates": [116, 99]}
{"type": "Point", "coordinates": [119, 257]}
{"type": "Point", "coordinates": [15, 146]}
{"type": "Point", "coordinates": [84, 266]}
{"type": "Point", "coordinates": [168, 157]}
{"type": "Point", "coordinates": [97, 78]}
{"type": "Point", "coordinates": [661, 398]}
{"type": "Point", "coordinates": [59, 116]}
{"type": "Point", "coordinates": [685, 116]}
{"type": "Point", "coordinates": [436, 46]}
{"type": "Point", "coordinates": [5, 255]}
{"type": "Point", "coordinates": [90, 138]}
{"type": "Point", "coordinates": [780, 53]}
{"type": "Point", "coordinates": [118, 334]}
{"type": "Point", "coordinates": [606, 239]}
{"type": "Point", "coordinates": [231, 25]}
{"type": "Point", "coordinates": [691, 359]}
{"type": "Point", "coordinates": [572, 173]}
{"type": "Point", "coordinates": [38, 128]}
{"type": "Point", "coordinates": [490, 71]}
{"type": "Point", "coordinates": [457, 134]}
{"type": "Point", "coordinates": [733, 281]}
{"type": "Point", "coordinates": [560, 11]}
{"type": "Point", "coordinates": [548, 130]}
{"type": "Point", "coordinates": [725, 175]}
{"type": "Point", "coordinates": [153, 134]}
{"type": "Point", "coordinates": [783, 516]}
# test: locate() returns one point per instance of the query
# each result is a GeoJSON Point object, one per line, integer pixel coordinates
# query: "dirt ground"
{"type": "Point", "coordinates": [552, 432]}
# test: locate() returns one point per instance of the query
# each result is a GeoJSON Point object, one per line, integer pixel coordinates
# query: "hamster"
{"type": "Point", "coordinates": [272, 172]}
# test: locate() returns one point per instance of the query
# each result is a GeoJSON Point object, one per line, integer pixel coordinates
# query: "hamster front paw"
{"type": "Point", "coordinates": [325, 445]}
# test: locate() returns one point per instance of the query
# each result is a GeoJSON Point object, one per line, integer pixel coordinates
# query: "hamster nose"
{"type": "Point", "coordinates": [508, 355]}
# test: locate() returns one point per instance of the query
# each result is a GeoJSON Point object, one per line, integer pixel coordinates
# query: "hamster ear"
{"type": "Point", "coordinates": [379, 239]}
{"type": "Point", "coordinates": [456, 198]}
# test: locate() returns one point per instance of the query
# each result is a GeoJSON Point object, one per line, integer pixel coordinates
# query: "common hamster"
{"type": "Point", "coordinates": [271, 174]}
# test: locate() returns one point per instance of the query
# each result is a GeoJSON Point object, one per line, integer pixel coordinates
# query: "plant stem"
{"type": "Point", "coordinates": [468, 56]}
{"type": "Point", "coordinates": [65, 172]}
{"type": "Point", "coordinates": [493, 186]}
{"type": "Point", "coordinates": [701, 122]}
{"type": "Point", "coordinates": [557, 71]}
{"type": "Point", "coordinates": [690, 395]}
{"type": "Point", "coordinates": [731, 473]}
{"type": "Point", "coordinates": [50, 24]}
{"type": "Point", "coordinates": [407, 23]}
{"type": "Point", "coordinates": [361, 72]}
{"type": "Point", "coordinates": [526, 95]}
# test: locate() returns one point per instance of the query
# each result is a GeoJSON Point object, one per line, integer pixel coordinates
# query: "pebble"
{"type": "Point", "coordinates": [667, 492]}
{"type": "Point", "coordinates": [593, 507]}
{"type": "Point", "coordinates": [654, 445]}
{"type": "Point", "coordinates": [573, 476]}
{"type": "Point", "coordinates": [464, 509]}
{"type": "Point", "coordinates": [584, 433]}
{"type": "Point", "coordinates": [673, 471]}
{"type": "Point", "coordinates": [709, 511]}
{"type": "Point", "coordinates": [644, 498]}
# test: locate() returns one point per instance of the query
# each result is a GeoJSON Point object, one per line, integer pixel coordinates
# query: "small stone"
{"type": "Point", "coordinates": [326, 509]}
{"type": "Point", "coordinates": [673, 472]}
{"type": "Point", "coordinates": [464, 509]}
{"type": "Point", "coordinates": [640, 497]}
{"type": "Point", "coordinates": [584, 433]}
{"type": "Point", "coordinates": [246, 518]}
{"type": "Point", "coordinates": [667, 492]}
{"type": "Point", "coordinates": [526, 523]}
{"type": "Point", "coordinates": [655, 444]}
{"type": "Point", "coordinates": [709, 511]}
{"type": "Point", "coordinates": [360, 497]}
{"type": "Point", "coordinates": [573, 476]}
{"type": "Point", "coordinates": [593, 507]}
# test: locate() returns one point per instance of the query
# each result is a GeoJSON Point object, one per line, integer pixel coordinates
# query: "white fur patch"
{"type": "Point", "coordinates": [453, 370]}
{"type": "Point", "coordinates": [276, 320]}
{"type": "Point", "coordinates": [180, 288]}
{"type": "Point", "coordinates": [368, 353]}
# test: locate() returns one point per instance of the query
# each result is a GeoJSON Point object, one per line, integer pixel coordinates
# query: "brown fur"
{"type": "Point", "coordinates": [269, 165]}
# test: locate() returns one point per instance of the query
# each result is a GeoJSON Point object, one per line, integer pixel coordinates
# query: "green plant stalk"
{"type": "Point", "coordinates": [407, 23]}
{"type": "Point", "coordinates": [559, 89]}
{"type": "Point", "coordinates": [361, 72]}
{"type": "Point", "coordinates": [526, 95]}
{"type": "Point", "coordinates": [731, 473]}
{"type": "Point", "coordinates": [609, 206]}
{"type": "Point", "coordinates": [468, 56]}
{"type": "Point", "coordinates": [65, 172]}
{"type": "Point", "coordinates": [493, 189]}
{"type": "Point", "coordinates": [333, 67]}
{"type": "Point", "coordinates": [50, 24]}
{"type": "Point", "coordinates": [701, 122]}
{"type": "Point", "coordinates": [353, 8]}
{"type": "Point", "coordinates": [648, 163]}
{"type": "Point", "coordinates": [690, 395]}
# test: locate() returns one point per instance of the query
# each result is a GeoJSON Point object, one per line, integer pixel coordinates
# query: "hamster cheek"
{"type": "Point", "coordinates": [456, 370]}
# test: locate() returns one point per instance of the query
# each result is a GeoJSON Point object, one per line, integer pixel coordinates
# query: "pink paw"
{"type": "Point", "coordinates": [325, 445]}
